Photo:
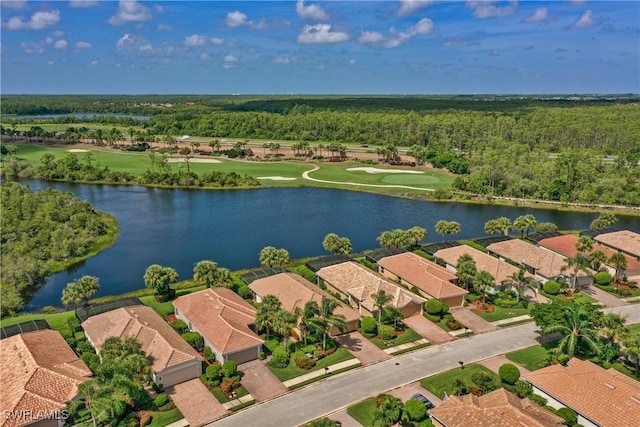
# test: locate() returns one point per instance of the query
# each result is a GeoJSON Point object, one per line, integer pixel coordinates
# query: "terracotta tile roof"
{"type": "Point", "coordinates": [606, 397]}
{"type": "Point", "coordinates": [222, 317]}
{"type": "Point", "coordinates": [500, 270]}
{"type": "Point", "coordinates": [162, 345]}
{"type": "Point", "coordinates": [423, 274]}
{"type": "Point", "coordinates": [38, 372]}
{"type": "Point", "coordinates": [625, 240]}
{"type": "Point", "coordinates": [546, 262]}
{"type": "Point", "coordinates": [566, 245]}
{"type": "Point", "coordinates": [499, 408]}
{"type": "Point", "coordinates": [295, 291]}
{"type": "Point", "coordinates": [361, 283]}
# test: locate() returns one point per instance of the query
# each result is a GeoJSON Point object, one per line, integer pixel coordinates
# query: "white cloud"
{"type": "Point", "coordinates": [423, 27]}
{"type": "Point", "coordinates": [321, 34]}
{"type": "Point", "coordinates": [352, 62]}
{"type": "Point", "coordinates": [33, 47]}
{"type": "Point", "coordinates": [205, 57]}
{"type": "Point", "coordinates": [585, 21]}
{"type": "Point", "coordinates": [164, 27]}
{"type": "Point", "coordinates": [83, 3]}
{"type": "Point", "coordinates": [313, 12]}
{"type": "Point", "coordinates": [230, 61]}
{"type": "Point", "coordinates": [93, 63]}
{"type": "Point", "coordinates": [60, 44]}
{"type": "Point", "coordinates": [38, 21]}
{"type": "Point", "coordinates": [13, 4]}
{"type": "Point", "coordinates": [48, 40]}
{"type": "Point", "coordinates": [396, 38]}
{"type": "Point", "coordinates": [407, 7]}
{"type": "Point", "coordinates": [483, 9]}
{"type": "Point", "coordinates": [133, 43]}
{"type": "Point", "coordinates": [57, 33]}
{"type": "Point", "coordinates": [538, 15]}
{"type": "Point", "coordinates": [158, 8]}
{"type": "Point", "coordinates": [236, 19]}
{"type": "Point", "coordinates": [130, 11]}
{"type": "Point", "coordinates": [370, 37]}
{"type": "Point", "coordinates": [195, 40]}
{"type": "Point", "coordinates": [282, 60]}
{"type": "Point", "coordinates": [83, 45]}
{"type": "Point", "coordinates": [217, 41]}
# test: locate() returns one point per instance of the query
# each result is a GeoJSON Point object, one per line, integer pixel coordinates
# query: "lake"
{"type": "Point", "coordinates": [178, 228]}
{"type": "Point", "coordinates": [77, 116]}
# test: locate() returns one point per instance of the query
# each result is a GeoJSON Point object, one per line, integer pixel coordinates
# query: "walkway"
{"type": "Point", "coordinates": [320, 372]}
{"type": "Point", "coordinates": [495, 362]}
{"type": "Point", "coordinates": [511, 320]}
{"type": "Point", "coordinates": [603, 296]}
{"type": "Point", "coordinates": [434, 333]}
{"type": "Point", "coordinates": [361, 348]}
{"type": "Point", "coordinates": [406, 346]}
{"type": "Point", "coordinates": [471, 320]}
{"type": "Point", "coordinates": [196, 402]}
{"type": "Point", "coordinates": [237, 402]}
{"type": "Point", "coordinates": [260, 381]}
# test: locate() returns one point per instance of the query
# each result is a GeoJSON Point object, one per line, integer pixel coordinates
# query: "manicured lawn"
{"type": "Point", "coordinates": [293, 371]}
{"type": "Point", "coordinates": [578, 297]}
{"type": "Point", "coordinates": [500, 313]}
{"type": "Point", "coordinates": [445, 381]}
{"type": "Point", "coordinates": [363, 411]}
{"type": "Point", "coordinates": [222, 398]}
{"type": "Point", "coordinates": [613, 291]}
{"type": "Point", "coordinates": [534, 357]}
{"type": "Point", "coordinates": [161, 419]}
{"type": "Point", "coordinates": [633, 329]}
{"type": "Point", "coordinates": [56, 320]}
{"type": "Point", "coordinates": [407, 336]}
{"type": "Point", "coordinates": [164, 308]}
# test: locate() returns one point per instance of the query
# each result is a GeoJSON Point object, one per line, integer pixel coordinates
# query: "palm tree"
{"type": "Point", "coordinates": [584, 244]}
{"type": "Point", "coordinates": [631, 348]}
{"type": "Point", "coordinates": [389, 412]}
{"type": "Point", "coordinates": [283, 323]}
{"type": "Point", "coordinates": [386, 239]}
{"type": "Point", "coordinates": [99, 397]}
{"type": "Point", "coordinates": [483, 282]}
{"type": "Point", "coordinates": [329, 319]}
{"type": "Point", "coordinates": [521, 225]}
{"type": "Point", "coordinates": [492, 227]}
{"type": "Point", "coordinates": [392, 314]}
{"type": "Point", "coordinates": [205, 271]}
{"type": "Point", "coordinates": [416, 234]}
{"type": "Point", "coordinates": [266, 313]}
{"type": "Point", "coordinates": [271, 257]}
{"type": "Point", "coordinates": [504, 225]}
{"type": "Point", "coordinates": [619, 262]}
{"type": "Point", "coordinates": [380, 299]}
{"type": "Point", "coordinates": [546, 227]}
{"type": "Point", "coordinates": [466, 270]}
{"type": "Point", "coordinates": [611, 326]}
{"type": "Point", "coordinates": [531, 222]}
{"type": "Point", "coordinates": [576, 264]}
{"type": "Point", "coordinates": [323, 422]}
{"type": "Point", "coordinates": [596, 259]}
{"type": "Point", "coordinates": [305, 316]}
{"type": "Point", "coordinates": [577, 327]}
{"type": "Point", "coordinates": [454, 228]}
{"type": "Point", "coordinates": [604, 220]}
{"type": "Point", "coordinates": [442, 227]}
{"type": "Point", "coordinates": [223, 278]}
{"type": "Point", "coordinates": [521, 282]}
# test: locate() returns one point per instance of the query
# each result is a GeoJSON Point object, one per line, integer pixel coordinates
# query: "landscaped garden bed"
{"type": "Point", "coordinates": [621, 289]}
{"type": "Point", "coordinates": [468, 379]}
{"type": "Point", "coordinates": [387, 410]}
{"type": "Point", "coordinates": [335, 354]}
{"type": "Point", "coordinates": [402, 337]}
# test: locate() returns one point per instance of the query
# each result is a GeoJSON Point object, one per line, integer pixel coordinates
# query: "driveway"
{"type": "Point", "coordinates": [404, 393]}
{"type": "Point", "coordinates": [432, 332]}
{"type": "Point", "coordinates": [494, 364]}
{"type": "Point", "coordinates": [196, 402]}
{"type": "Point", "coordinates": [260, 382]}
{"type": "Point", "coordinates": [604, 297]}
{"type": "Point", "coordinates": [345, 419]}
{"type": "Point", "coordinates": [361, 348]}
{"type": "Point", "coordinates": [472, 321]}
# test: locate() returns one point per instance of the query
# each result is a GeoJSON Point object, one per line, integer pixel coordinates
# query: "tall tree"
{"type": "Point", "coordinates": [223, 278]}
{"type": "Point", "coordinates": [272, 257]}
{"type": "Point", "coordinates": [466, 270]}
{"type": "Point", "coordinates": [442, 227]}
{"type": "Point", "coordinates": [483, 282]}
{"type": "Point", "coordinates": [631, 348]}
{"type": "Point", "coordinates": [159, 279]}
{"type": "Point", "coordinates": [520, 224]}
{"type": "Point", "coordinates": [576, 327]}
{"type": "Point", "coordinates": [504, 225]}
{"type": "Point", "coordinates": [604, 220]}
{"type": "Point", "coordinates": [336, 244]}
{"type": "Point", "coordinates": [380, 299]}
{"type": "Point", "coordinates": [597, 259]}
{"type": "Point", "coordinates": [330, 319]}
{"type": "Point", "coordinates": [79, 291]}
{"type": "Point", "coordinates": [305, 318]}
{"type": "Point", "coordinates": [283, 323]}
{"type": "Point", "coordinates": [266, 313]}
{"type": "Point", "coordinates": [619, 262]}
{"type": "Point", "coordinates": [546, 227]}
{"type": "Point", "coordinates": [521, 282]}
{"type": "Point", "coordinates": [584, 244]}
{"type": "Point", "coordinates": [416, 234]}
{"type": "Point", "coordinates": [575, 265]}
{"type": "Point", "coordinates": [492, 227]}
{"type": "Point", "coordinates": [205, 271]}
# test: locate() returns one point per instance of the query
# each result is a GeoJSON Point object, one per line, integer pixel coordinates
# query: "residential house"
{"type": "Point", "coordinates": [625, 241]}
{"type": "Point", "coordinates": [358, 283]}
{"type": "Point", "coordinates": [39, 374]}
{"type": "Point", "coordinates": [171, 358]}
{"type": "Point", "coordinates": [295, 291]}
{"type": "Point", "coordinates": [500, 408]}
{"type": "Point", "coordinates": [225, 321]}
{"type": "Point", "coordinates": [499, 269]}
{"type": "Point", "coordinates": [601, 397]}
{"type": "Point", "coordinates": [432, 280]}
{"type": "Point", "coordinates": [541, 262]}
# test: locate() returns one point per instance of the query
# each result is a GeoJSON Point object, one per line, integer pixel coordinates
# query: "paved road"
{"type": "Point", "coordinates": [351, 387]}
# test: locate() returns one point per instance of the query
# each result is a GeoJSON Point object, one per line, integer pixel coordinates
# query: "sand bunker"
{"type": "Point", "coordinates": [376, 170]}
{"type": "Point", "coordinates": [277, 178]}
{"type": "Point", "coordinates": [78, 150]}
{"type": "Point", "coordinates": [194, 161]}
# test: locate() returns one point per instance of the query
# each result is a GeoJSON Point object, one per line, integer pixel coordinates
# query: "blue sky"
{"type": "Point", "coordinates": [320, 47]}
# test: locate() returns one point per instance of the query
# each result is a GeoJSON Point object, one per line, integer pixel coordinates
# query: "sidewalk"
{"type": "Point", "coordinates": [237, 402]}
{"type": "Point", "coordinates": [392, 350]}
{"type": "Point", "coordinates": [320, 372]}
{"type": "Point", "coordinates": [512, 320]}
{"type": "Point", "coordinates": [180, 423]}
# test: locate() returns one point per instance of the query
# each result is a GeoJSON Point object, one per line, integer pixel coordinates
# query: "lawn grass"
{"type": "Point", "coordinates": [633, 329]}
{"type": "Point", "coordinates": [363, 412]}
{"type": "Point", "coordinates": [445, 381]}
{"type": "Point", "coordinates": [222, 398]}
{"type": "Point", "coordinates": [613, 291]}
{"type": "Point", "coordinates": [164, 308]}
{"type": "Point", "coordinates": [292, 371]}
{"type": "Point", "coordinates": [408, 335]}
{"type": "Point", "coordinates": [500, 313]}
{"type": "Point", "coordinates": [533, 358]}
{"type": "Point", "coordinates": [578, 297]}
{"type": "Point", "coordinates": [161, 419]}
{"type": "Point", "coordinates": [57, 321]}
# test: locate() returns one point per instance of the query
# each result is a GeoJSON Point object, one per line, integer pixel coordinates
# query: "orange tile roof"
{"type": "Point", "coordinates": [222, 317]}
{"type": "Point", "coordinates": [38, 372]}
{"type": "Point", "coordinates": [499, 408]}
{"type": "Point", "coordinates": [423, 274]}
{"type": "Point", "coordinates": [606, 397]}
{"type": "Point", "coordinates": [361, 283]}
{"type": "Point", "coordinates": [566, 245]}
{"type": "Point", "coordinates": [162, 345]}
{"type": "Point", "coordinates": [500, 270]}
{"type": "Point", "coordinates": [625, 240]}
{"type": "Point", "coordinates": [295, 291]}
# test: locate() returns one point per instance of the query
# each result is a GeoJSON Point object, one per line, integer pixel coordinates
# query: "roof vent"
{"type": "Point", "coordinates": [610, 386]}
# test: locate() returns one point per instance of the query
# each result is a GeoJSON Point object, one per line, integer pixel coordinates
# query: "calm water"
{"type": "Point", "coordinates": [178, 228]}
{"type": "Point", "coordinates": [78, 116]}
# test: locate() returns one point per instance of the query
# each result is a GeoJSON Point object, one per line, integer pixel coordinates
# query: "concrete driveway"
{"type": "Point", "coordinates": [345, 419]}
{"type": "Point", "coordinates": [432, 332]}
{"type": "Point", "coordinates": [260, 382]}
{"type": "Point", "coordinates": [196, 402]}
{"type": "Point", "coordinates": [494, 364]}
{"type": "Point", "coordinates": [472, 321]}
{"type": "Point", "coordinates": [604, 297]}
{"type": "Point", "coordinates": [405, 393]}
{"type": "Point", "coordinates": [361, 348]}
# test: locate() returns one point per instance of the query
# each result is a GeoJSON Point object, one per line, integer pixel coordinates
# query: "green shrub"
{"type": "Point", "coordinates": [49, 309]}
{"type": "Point", "coordinates": [509, 373]}
{"type": "Point", "coordinates": [453, 324]}
{"type": "Point", "coordinates": [471, 297]}
{"type": "Point", "coordinates": [74, 324]}
{"type": "Point", "coordinates": [209, 354]}
{"type": "Point", "coordinates": [551, 287]}
{"type": "Point", "coordinates": [538, 399]}
{"type": "Point", "coordinates": [569, 415]}
{"type": "Point", "coordinates": [445, 309]}
{"type": "Point", "coordinates": [368, 325]}
{"type": "Point", "coordinates": [304, 362]}
{"type": "Point", "coordinates": [92, 360]}
{"type": "Point", "coordinates": [603, 278]}
{"type": "Point", "coordinates": [262, 356]}
{"type": "Point", "coordinates": [280, 358]}
{"type": "Point", "coordinates": [195, 340]}
{"type": "Point", "coordinates": [161, 400]}
{"type": "Point", "coordinates": [563, 359]}
{"type": "Point", "coordinates": [180, 326]}
{"type": "Point", "coordinates": [523, 388]}
{"type": "Point", "coordinates": [386, 332]}
{"type": "Point", "coordinates": [433, 307]}
{"type": "Point", "coordinates": [415, 409]}
{"type": "Point", "coordinates": [434, 319]}
{"type": "Point", "coordinates": [85, 347]}
{"type": "Point", "coordinates": [229, 368]}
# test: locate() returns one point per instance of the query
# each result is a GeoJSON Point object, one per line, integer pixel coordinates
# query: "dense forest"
{"type": "Point", "coordinates": [561, 148]}
{"type": "Point", "coordinates": [39, 230]}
